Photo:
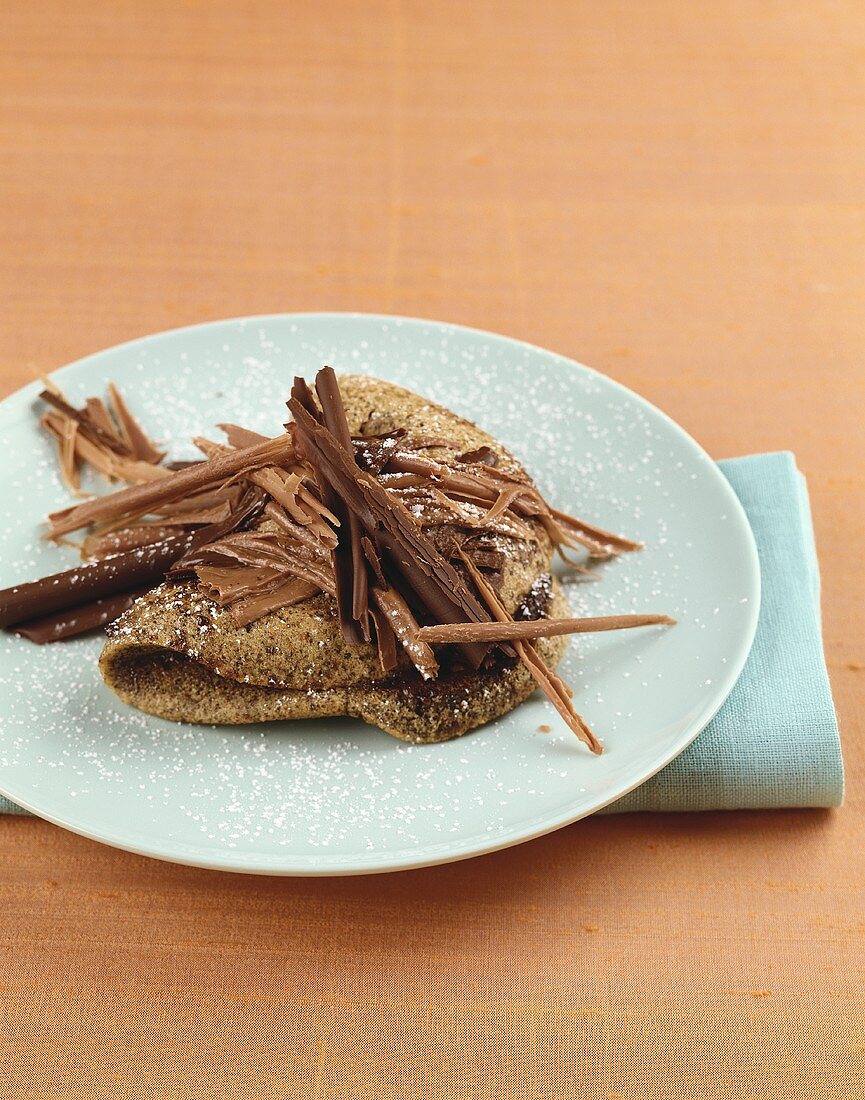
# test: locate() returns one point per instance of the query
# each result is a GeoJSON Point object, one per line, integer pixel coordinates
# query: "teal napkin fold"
{"type": "Point", "coordinates": [774, 742]}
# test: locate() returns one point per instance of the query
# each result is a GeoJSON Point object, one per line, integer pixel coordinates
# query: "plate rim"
{"type": "Point", "coordinates": [407, 859]}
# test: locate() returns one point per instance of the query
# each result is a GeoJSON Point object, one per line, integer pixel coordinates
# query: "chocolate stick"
{"type": "Point", "coordinates": [78, 620]}
{"type": "Point", "coordinates": [92, 581]}
{"type": "Point", "coordinates": [119, 572]}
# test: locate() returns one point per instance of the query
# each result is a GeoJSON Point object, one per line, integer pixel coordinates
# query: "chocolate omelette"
{"type": "Point", "coordinates": [383, 559]}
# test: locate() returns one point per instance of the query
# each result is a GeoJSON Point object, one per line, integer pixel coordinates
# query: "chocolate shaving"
{"type": "Point", "coordinates": [553, 686]}
{"type": "Point", "coordinates": [66, 443]}
{"type": "Point", "coordinates": [470, 482]}
{"type": "Point", "coordinates": [132, 433]}
{"type": "Point", "coordinates": [86, 423]}
{"type": "Point", "coordinates": [250, 591]}
{"type": "Point", "coordinates": [138, 500]}
{"type": "Point", "coordinates": [284, 592]}
{"type": "Point", "coordinates": [247, 509]}
{"type": "Point", "coordinates": [486, 456]}
{"type": "Point", "coordinates": [268, 552]}
{"type": "Point", "coordinates": [435, 582]}
{"type": "Point", "coordinates": [286, 488]}
{"type": "Point", "coordinates": [475, 486]}
{"type": "Point", "coordinates": [305, 509]}
{"type": "Point", "coordinates": [108, 462]}
{"type": "Point", "coordinates": [206, 500]}
{"type": "Point", "coordinates": [372, 453]}
{"type": "Point", "coordinates": [538, 628]}
{"type": "Point", "coordinates": [385, 638]}
{"type": "Point", "coordinates": [504, 500]}
{"type": "Point", "coordinates": [405, 627]}
{"type": "Point", "coordinates": [374, 562]}
{"type": "Point", "coordinates": [301, 393]}
{"type": "Point", "coordinates": [433, 509]}
{"type": "Point", "coordinates": [241, 437]}
{"type": "Point", "coordinates": [594, 537]}
{"type": "Point", "coordinates": [349, 563]}
{"type": "Point", "coordinates": [227, 580]}
{"type": "Point", "coordinates": [298, 531]}
{"type": "Point", "coordinates": [97, 410]}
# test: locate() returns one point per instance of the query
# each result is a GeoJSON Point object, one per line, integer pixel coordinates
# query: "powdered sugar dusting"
{"type": "Point", "coordinates": [331, 795]}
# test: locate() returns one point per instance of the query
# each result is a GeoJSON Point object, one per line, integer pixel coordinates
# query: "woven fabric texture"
{"type": "Point", "coordinates": [670, 192]}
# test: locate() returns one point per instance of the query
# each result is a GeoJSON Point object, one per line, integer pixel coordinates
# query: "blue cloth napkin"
{"type": "Point", "coordinates": [774, 742]}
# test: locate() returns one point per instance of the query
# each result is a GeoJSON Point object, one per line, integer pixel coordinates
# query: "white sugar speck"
{"type": "Point", "coordinates": [339, 789]}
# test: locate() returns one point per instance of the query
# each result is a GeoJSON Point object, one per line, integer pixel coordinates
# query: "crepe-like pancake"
{"type": "Point", "coordinates": [177, 655]}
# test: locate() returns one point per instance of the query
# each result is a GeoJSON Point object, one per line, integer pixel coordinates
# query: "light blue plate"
{"type": "Point", "coordinates": [337, 797]}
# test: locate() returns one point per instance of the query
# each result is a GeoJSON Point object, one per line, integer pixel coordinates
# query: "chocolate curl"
{"type": "Point", "coordinates": [505, 499]}
{"type": "Point", "coordinates": [93, 581]}
{"type": "Point", "coordinates": [385, 639]}
{"type": "Point", "coordinates": [130, 538]}
{"type": "Point", "coordinates": [283, 592]}
{"type": "Point", "coordinates": [599, 542]}
{"type": "Point", "coordinates": [97, 410]}
{"type": "Point", "coordinates": [78, 620]}
{"type": "Point", "coordinates": [247, 591]}
{"type": "Point", "coordinates": [298, 531]}
{"type": "Point", "coordinates": [68, 458]}
{"type": "Point", "coordinates": [435, 582]}
{"type": "Point", "coordinates": [115, 466]}
{"type": "Point", "coordinates": [138, 500]}
{"type": "Point", "coordinates": [537, 628]}
{"type": "Point", "coordinates": [428, 589]}
{"type": "Point", "coordinates": [374, 561]}
{"type": "Point", "coordinates": [553, 686]}
{"type": "Point", "coordinates": [393, 619]}
{"type": "Point", "coordinates": [349, 565]}
{"type": "Point", "coordinates": [301, 393]}
{"type": "Point", "coordinates": [267, 552]}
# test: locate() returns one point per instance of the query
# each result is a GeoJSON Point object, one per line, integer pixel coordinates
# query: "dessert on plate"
{"type": "Point", "coordinates": [383, 559]}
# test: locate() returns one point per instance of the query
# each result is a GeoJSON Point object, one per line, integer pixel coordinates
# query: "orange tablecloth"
{"type": "Point", "coordinates": [671, 192]}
